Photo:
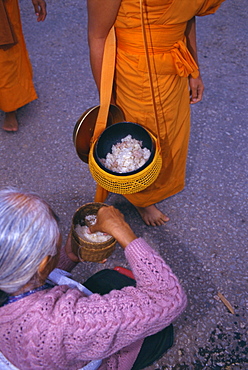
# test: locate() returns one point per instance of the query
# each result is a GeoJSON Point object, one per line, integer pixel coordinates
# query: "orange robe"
{"type": "Point", "coordinates": [16, 85]}
{"type": "Point", "coordinates": [167, 21]}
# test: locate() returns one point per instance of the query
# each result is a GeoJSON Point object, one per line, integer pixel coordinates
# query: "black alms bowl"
{"type": "Point", "coordinates": [113, 135]}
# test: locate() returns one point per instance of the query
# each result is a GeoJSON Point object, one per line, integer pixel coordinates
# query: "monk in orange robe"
{"type": "Point", "coordinates": [16, 84]}
{"type": "Point", "coordinates": [170, 26]}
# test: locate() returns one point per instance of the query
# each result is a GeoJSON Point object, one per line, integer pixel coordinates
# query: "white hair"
{"type": "Point", "coordinates": [28, 232]}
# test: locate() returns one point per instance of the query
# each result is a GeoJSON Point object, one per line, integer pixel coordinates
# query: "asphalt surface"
{"type": "Point", "coordinates": [205, 241]}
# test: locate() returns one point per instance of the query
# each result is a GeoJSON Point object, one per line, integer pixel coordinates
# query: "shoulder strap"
{"type": "Point", "coordinates": [107, 76]}
{"type": "Point", "coordinates": [148, 61]}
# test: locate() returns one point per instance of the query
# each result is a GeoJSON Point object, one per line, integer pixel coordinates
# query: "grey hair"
{"type": "Point", "coordinates": [28, 232]}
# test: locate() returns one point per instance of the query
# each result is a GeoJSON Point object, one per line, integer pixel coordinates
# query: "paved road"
{"type": "Point", "coordinates": [205, 242]}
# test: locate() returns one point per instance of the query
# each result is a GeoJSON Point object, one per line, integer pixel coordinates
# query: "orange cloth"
{"type": "Point", "coordinates": [101, 194]}
{"type": "Point", "coordinates": [172, 63]}
{"type": "Point", "coordinates": [7, 36]}
{"type": "Point", "coordinates": [16, 85]}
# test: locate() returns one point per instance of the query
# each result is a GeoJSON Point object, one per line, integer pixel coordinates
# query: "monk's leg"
{"type": "Point", "coordinates": [10, 122]}
{"type": "Point", "coordinates": [152, 216]}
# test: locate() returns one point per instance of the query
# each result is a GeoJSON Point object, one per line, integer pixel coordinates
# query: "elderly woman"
{"type": "Point", "coordinates": [59, 327]}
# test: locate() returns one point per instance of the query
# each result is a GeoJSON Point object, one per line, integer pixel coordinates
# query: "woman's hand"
{"type": "Point", "coordinates": [68, 249]}
{"type": "Point", "coordinates": [111, 221]}
{"type": "Point", "coordinates": [40, 9]}
{"type": "Point", "coordinates": [196, 89]}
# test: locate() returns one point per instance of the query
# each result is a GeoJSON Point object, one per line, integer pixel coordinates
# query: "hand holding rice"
{"type": "Point", "coordinates": [84, 232]}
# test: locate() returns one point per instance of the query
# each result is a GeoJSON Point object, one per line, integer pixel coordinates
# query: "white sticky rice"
{"type": "Point", "coordinates": [84, 232]}
{"type": "Point", "coordinates": [126, 156]}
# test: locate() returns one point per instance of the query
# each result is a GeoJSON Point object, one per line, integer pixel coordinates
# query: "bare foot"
{"type": "Point", "coordinates": [10, 123]}
{"type": "Point", "coordinates": [152, 216]}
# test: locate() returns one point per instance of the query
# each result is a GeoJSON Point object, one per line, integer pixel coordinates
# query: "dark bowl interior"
{"type": "Point", "coordinates": [113, 135]}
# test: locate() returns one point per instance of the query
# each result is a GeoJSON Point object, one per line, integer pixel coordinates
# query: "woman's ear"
{"type": "Point", "coordinates": [43, 268]}
{"type": "Point", "coordinates": [49, 263]}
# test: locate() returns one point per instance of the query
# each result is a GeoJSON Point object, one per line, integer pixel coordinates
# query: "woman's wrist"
{"type": "Point", "coordinates": [124, 235]}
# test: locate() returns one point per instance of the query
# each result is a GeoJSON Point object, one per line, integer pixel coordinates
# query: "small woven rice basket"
{"type": "Point", "coordinates": [84, 249]}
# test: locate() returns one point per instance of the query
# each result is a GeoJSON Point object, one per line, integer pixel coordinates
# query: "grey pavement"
{"type": "Point", "coordinates": [205, 241]}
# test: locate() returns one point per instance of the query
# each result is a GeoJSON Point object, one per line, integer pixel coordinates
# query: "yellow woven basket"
{"type": "Point", "coordinates": [126, 184]}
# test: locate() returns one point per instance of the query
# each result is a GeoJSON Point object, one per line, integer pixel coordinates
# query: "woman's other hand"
{"type": "Point", "coordinates": [68, 249]}
{"type": "Point", "coordinates": [196, 89]}
{"type": "Point", "coordinates": [40, 9]}
{"type": "Point", "coordinates": [111, 221]}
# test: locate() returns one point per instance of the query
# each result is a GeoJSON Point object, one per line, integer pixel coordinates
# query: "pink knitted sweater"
{"type": "Point", "coordinates": [60, 328]}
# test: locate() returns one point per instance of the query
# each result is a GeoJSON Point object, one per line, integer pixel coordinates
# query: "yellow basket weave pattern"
{"type": "Point", "coordinates": [129, 184]}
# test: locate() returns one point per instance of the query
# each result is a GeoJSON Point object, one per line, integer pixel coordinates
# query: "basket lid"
{"type": "Point", "coordinates": [84, 128]}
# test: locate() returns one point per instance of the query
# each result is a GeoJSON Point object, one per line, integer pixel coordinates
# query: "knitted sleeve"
{"type": "Point", "coordinates": [156, 279]}
{"type": "Point", "coordinates": [117, 319]}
